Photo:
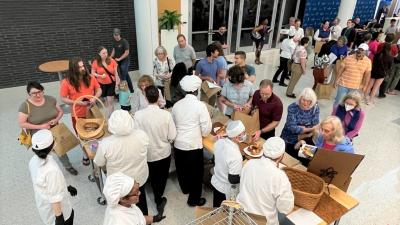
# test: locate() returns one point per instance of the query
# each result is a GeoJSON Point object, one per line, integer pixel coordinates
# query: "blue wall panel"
{"type": "Point", "coordinates": [365, 9]}
{"type": "Point", "coordinates": [318, 10]}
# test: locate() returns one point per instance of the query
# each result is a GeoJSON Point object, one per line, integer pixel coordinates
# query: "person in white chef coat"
{"type": "Point", "coordinates": [264, 188]}
{"type": "Point", "coordinates": [192, 122]}
{"type": "Point", "coordinates": [125, 151]}
{"type": "Point", "coordinates": [49, 186]}
{"type": "Point", "coordinates": [228, 162]}
{"type": "Point", "coordinates": [160, 127]}
{"type": "Point", "coordinates": [122, 193]}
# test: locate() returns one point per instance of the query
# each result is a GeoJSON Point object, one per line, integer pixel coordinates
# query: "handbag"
{"type": "Point", "coordinates": [25, 137]}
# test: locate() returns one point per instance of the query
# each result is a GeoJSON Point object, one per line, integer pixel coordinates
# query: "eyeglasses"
{"type": "Point", "coordinates": [36, 93]}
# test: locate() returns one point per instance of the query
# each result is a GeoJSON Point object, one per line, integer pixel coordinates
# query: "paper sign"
{"type": "Point", "coordinates": [332, 58]}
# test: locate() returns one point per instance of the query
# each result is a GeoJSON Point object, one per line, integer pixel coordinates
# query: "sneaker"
{"type": "Point", "coordinates": [291, 96]}
{"type": "Point", "coordinates": [275, 81]}
{"type": "Point", "coordinates": [72, 171]}
{"type": "Point", "coordinates": [283, 84]}
{"type": "Point", "coordinates": [201, 202]}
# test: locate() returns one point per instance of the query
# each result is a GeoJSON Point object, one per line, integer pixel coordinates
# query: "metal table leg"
{"type": "Point", "coordinates": [97, 177]}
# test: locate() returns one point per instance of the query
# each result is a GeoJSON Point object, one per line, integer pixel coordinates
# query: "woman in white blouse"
{"type": "Point", "coordinates": [162, 70]}
{"type": "Point", "coordinates": [139, 98]}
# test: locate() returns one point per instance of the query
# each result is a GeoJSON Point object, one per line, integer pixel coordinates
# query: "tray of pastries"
{"type": "Point", "coordinates": [253, 150]}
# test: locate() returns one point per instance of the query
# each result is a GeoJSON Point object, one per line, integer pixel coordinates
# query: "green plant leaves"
{"type": "Point", "coordinates": [169, 19]}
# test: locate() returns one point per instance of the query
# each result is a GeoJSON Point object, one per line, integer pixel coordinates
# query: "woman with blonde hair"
{"type": "Point", "coordinates": [350, 113]}
{"type": "Point", "coordinates": [331, 136]}
{"type": "Point", "coordinates": [139, 98]}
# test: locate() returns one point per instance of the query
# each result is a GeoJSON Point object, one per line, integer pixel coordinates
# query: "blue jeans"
{"type": "Point", "coordinates": [123, 67]}
{"type": "Point", "coordinates": [341, 92]}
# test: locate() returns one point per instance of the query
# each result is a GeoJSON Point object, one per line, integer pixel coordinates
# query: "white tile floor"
{"type": "Point", "coordinates": [376, 183]}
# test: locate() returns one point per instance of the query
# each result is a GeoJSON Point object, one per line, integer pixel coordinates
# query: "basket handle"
{"type": "Point", "coordinates": [82, 97]}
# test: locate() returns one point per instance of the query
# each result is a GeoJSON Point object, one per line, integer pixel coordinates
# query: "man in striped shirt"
{"type": "Point", "coordinates": [355, 71]}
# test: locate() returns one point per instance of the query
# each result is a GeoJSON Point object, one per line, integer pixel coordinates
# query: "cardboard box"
{"type": "Point", "coordinates": [250, 121]}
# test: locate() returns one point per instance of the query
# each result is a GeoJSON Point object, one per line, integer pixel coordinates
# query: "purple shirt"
{"type": "Point", "coordinates": [347, 119]}
{"type": "Point", "coordinates": [269, 111]}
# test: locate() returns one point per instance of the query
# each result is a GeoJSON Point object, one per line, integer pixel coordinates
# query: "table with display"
{"type": "Point", "coordinates": [57, 66]}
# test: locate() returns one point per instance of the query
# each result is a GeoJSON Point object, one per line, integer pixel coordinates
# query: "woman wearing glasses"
{"type": "Point", "coordinates": [41, 111]}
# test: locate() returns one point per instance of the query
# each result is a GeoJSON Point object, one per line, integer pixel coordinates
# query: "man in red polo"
{"type": "Point", "coordinates": [270, 109]}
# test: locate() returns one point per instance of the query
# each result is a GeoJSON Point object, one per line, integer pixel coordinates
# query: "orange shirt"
{"type": "Point", "coordinates": [68, 91]}
{"type": "Point", "coordinates": [354, 70]}
{"type": "Point", "coordinates": [112, 67]}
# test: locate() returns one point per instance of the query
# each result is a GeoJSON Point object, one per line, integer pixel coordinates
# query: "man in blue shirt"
{"type": "Point", "coordinates": [207, 68]}
{"type": "Point", "coordinates": [250, 71]}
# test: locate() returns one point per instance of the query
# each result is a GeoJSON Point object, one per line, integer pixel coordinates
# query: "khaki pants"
{"type": "Point", "coordinates": [297, 71]}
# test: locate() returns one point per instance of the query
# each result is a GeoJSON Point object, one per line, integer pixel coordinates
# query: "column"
{"type": "Point", "coordinates": [146, 20]}
{"type": "Point", "coordinates": [346, 11]}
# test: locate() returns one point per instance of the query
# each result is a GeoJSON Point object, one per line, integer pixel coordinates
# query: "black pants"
{"type": "Point", "coordinates": [126, 108]}
{"type": "Point", "coordinates": [142, 204]}
{"type": "Point", "coordinates": [189, 170]}
{"type": "Point", "coordinates": [268, 134]}
{"type": "Point", "coordinates": [158, 174]}
{"type": "Point", "coordinates": [383, 88]}
{"type": "Point", "coordinates": [283, 66]}
{"type": "Point", "coordinates": [70, 220]}
{"type": "Point", "coordinates": [218, 197]}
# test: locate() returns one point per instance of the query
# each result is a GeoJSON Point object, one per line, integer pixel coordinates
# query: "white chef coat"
{"type": "Point", "coordinates": [126, 154]}
{"type": "Point", "coordinates": [121, 215]}
{"type": "Point", "coordinates": [287, 48]}
{"type": "Point", "coordinates": [192, 121]}
{"type": "Point", "coordinates": [228, 160]}
{"type": "Point", "coordinates": [265, 190]}
{"type": "Point", "coordinates": [140, 101]}
{"type": "Point", "coordinates": [160, 127]}
{"type": "Point", "coordinates": [49, 187]}
{"type": "Point", "coordinates": [336, 32]}
{"type": "Point", "coordinates": [298, 34]}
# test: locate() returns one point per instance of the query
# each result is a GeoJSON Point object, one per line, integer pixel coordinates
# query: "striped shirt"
{"type": "Point", "coordinates": [354, 70]}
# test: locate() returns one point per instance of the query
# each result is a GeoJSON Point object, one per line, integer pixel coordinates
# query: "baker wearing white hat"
{"type": "Point", "coordinates": [228, 162]}
{"type": "Point", "coordinates": [122, 193]}
{"type": "Point", "coordinates": [192, 122]}
{"type": "Point", "coordinates": [264, 188]}
{"type": "Point", "coordinates": [125, 151]}
{"type": "Point", "coordinates": [49, 186]}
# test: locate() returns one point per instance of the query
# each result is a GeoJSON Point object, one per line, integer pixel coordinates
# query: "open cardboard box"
{"type": "Point", "coordinates": [344, 164]}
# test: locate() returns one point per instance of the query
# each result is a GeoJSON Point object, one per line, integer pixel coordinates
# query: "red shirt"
{"type": "Point", "coordinates": [68, 91]}
{"type": "Point", "coordinates": [112, 68]}
{"type": "Point", "coordinates": [393, 49]}
{"type": "Point", "coordinates": [327, 146]}
{"type": "Point", "coordinates": [271, 110]}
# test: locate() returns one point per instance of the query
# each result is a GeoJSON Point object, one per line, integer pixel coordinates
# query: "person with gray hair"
{"type": "Point", "coordinates": [302, 120]}
{"type": "Point", "coordinates": [162, 72]}
{"type": "Point", "coordinates": [336, 29]}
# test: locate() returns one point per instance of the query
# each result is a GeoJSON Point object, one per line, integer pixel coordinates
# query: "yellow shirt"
{"type": "Point", "coordinates": [354, 70]}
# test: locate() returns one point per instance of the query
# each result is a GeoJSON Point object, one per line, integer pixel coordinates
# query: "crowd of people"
{"type": "Point", "coordinates": [144, 135]}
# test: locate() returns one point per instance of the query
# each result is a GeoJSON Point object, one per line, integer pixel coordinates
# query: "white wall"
{"type": "Point", "coordinates": [185, 17]}
{"type": "Point", "coordinates": [146, 20]}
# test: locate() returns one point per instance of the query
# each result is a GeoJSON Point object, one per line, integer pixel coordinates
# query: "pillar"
{"type": "Point", "coordinates": [346, 11]}
{"type": "Point", "coordinates": [146, 20]}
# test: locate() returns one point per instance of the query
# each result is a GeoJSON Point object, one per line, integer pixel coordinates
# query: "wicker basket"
{"type": "Point", "coordinates": [307, 188]}
{"type": "Point", "coordinates": [88, 129]}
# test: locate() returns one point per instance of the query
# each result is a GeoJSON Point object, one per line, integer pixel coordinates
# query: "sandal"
{"type": "Point", "coordinates": [72, 171]}
{"type": "Point", "coordinates": [85, 161]}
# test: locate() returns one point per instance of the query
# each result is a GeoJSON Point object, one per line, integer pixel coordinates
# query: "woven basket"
{"type": "Point", "coordinates": [88, 129]}
{"type": "Point", "coordinates": [307, 188]}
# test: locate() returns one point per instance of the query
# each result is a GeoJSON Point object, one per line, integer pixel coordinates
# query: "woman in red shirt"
{"type": "Point", "coordinates": [78, 82]}
{"type": "Point", "coordinates": [104, 68]}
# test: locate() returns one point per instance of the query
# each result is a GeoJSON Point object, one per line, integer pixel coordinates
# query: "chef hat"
{"type": "Point", "coordinates": [42, 139]}
{"type": "Point", "coordinates": [117, 185]}
{"type": "Point", "coordinates": [234, 128]}
{"type": "Point", "coordinates": [120, 123]}
{"type": "Point", "coordinates": [274, 147]}
{"type": "Point", "coordinates": [363, 46]}
{"type": "Point", "coordinates": [190, 83]}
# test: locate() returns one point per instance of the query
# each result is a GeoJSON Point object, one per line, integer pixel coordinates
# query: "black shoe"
{"type": "Point", "coordinates": [283, 84]}
{"type": "Point", "coordinates": [382, 96]}
{"type": "Point", "coordinates": [287, 78]}
{"type": "Point", "coordinates": [161, 205]}
{"type": "Point", "coordinates": [275, 81]}
{"type": "Point", "coordinates": [72, 171]}
{"type": "Point", "coordinates": [291, 96]}
{"type": "Point", "coordinates": [201, 202]}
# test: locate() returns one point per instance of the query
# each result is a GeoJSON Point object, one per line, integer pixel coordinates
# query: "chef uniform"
{"type": "Point", "coordinates": [192, 122]}
{"type": "Point", "coordinates": [119, 185]}
{"type": "Point", "coordinates": [160, 127]}
{"type": "Point", "coordinates": [125, 151]}
{"type": "Point", "coordinates": [48, 182]}
{"type": "Point", "coordinates": [264, 188]}
{"type": "Point", "coordinates": [228, 162]}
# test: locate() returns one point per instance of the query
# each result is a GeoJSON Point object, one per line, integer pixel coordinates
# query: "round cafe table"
{"type": "Point", "coordinates": [57, 66]}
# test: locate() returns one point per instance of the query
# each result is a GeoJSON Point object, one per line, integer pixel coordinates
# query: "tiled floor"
{"type": "Point", "coordinates": [376, 183]}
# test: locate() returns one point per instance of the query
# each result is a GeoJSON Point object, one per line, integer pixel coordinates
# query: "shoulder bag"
{"type": "Point", "coordinates": [25, 137]}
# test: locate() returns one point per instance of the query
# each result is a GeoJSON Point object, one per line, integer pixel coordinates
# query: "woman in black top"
{"type": "Point", "coordinates": [258, 36]}
{"type": "Point", "coordinates": [381, 66]}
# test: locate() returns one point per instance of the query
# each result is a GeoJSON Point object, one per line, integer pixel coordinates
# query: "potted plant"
{"type": "Point", "coordinates": [168, 24]}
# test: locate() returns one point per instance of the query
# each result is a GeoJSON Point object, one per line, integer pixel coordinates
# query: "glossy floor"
{"type": "Point", "coordinates": [376, 183]}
